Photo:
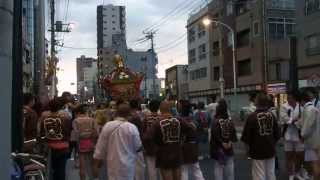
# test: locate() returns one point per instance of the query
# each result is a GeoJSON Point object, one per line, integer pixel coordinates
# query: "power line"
{"type": "Point", "coordinates": [185, 11]}
{"type": "Point", "coordinates": [174, 45]}
{"type": "Point", "coordinates": [79, 48]}
{"type": "Point", "coordinates": [167, 15]}
{"type": "Point", "coordinates": [67, 10]}
{"type": "Point", "coordinates": [182, 11]}
{"type": "Point", "coordinates": [66, 18]}
{"type": "Point", "coordinates": [170, 43]}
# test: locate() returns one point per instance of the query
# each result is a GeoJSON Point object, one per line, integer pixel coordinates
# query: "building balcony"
{"type": "Point", "coordinates": [279, 49]}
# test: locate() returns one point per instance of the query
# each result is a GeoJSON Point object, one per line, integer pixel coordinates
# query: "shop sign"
{"type": "Point", "coordinates": [278, 88]}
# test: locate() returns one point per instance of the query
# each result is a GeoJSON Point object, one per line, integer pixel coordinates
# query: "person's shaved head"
{"type": "Point", "coordinates": [165, 107]}
{"type": "Point", "coordinates": [123, 110]}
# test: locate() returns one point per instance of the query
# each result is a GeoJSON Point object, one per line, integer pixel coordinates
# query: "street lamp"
{"type": "Point", "coordinates": [207, 22]}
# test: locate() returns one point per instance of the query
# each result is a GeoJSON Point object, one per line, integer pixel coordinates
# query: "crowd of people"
{"type": "Point", "coordinates": [127, 140]}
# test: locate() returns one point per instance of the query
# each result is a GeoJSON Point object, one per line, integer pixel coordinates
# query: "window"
{"type": "Point", "coordinates": [113, 22]}
{"type": "Point", "coordinates": [229, 8]}
{"type": "Point", "coordinates": [216, 48]}
{"type": "Point", "coordinates": [242, 7]}
{"type": "Point", "coordinates": [283, 4]}
{"type": "Point", "coordinates": [114, 29]}
{"type": "Point", "coordinates": [198, 74]}
{"type": "Point", "coordinates": [202, 52]}
{"type": "Point", "coordinates": [214, 25]}
{"type": "Point", "coordinates": [278, 71]}
{"type": "Point", "coordinates": [312, 6]}
{"type": "Point", "coordinates": [256, 28]}
{"type": "Point", "coordinates": [192, 56]}
{"type": "Point", "coordinates": [243, 38]}
{"type": "Point", "coordinates": [313, 45]}
{"type": "Point", "coordinates": [113, 16]}
{"type": "Point", "coordinates": [201, 30]}
{"type": "Point", "coordinates": [281, 28]}
{"type": "Point", "coordinates": [216, 73]}
{"type": "Point", "coordinates": [230, 39]}
{"type": "Point", "coordinates": [191, 35]}
{"type": "Point", "coordinates": [244, 67]}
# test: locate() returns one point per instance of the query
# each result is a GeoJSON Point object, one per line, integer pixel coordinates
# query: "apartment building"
{"type": "Point", "coordinates": [308, 30]}
{"type": "Point", "coordinates": [111, 34]}
{"type": "Point", "coordinates": [199, 71]}
{"type": "Point", "coordinates": [262, 32]}
{"type": "Point", "coordinates": [176, 83]}
{"type": "Point", "coordinates": [86, 77]}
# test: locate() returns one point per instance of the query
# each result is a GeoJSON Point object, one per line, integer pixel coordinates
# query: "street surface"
{"type": "Point", "coordinates": [242, 164]}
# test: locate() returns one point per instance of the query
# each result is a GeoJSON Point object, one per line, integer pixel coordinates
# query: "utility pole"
{"type": "Point", "coordinates": [6, 88]}
{"type": "Point", "coordinates": [17, 81]}
{"type": "Point", "coordinates": [53, 50]}
{"type": "Point", "coordinates": [55, 27]}
{"type": "Point", "coordinates": [150, 36]}
{"type": "Point", "coordinates": [145, 73]}
{"type": "Point", "coordinates": [221, 58]}
{"type": "Point", "coordinates": [294, 80]}
{"type": "Point", "coordinates": [265, 45]}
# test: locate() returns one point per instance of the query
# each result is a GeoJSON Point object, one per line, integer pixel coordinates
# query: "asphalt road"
{"type": "Point", "coordinates": [242, 167]}
{"type": "Point", "coordinates": [242, 164]}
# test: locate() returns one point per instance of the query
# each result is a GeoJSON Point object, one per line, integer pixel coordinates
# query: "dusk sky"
{"type": "Point", "coordinates": [140, 14]}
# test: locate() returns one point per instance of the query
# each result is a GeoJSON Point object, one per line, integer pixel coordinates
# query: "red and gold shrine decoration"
{"type": "Point", "coordinates": [122, 83]}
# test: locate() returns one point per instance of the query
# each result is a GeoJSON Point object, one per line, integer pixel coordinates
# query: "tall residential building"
{"type": "Point", "coordinates": [262, 32]}
{"type": "Point", "coordinates": [308, 30]}
{"type": "Point", "coordinates": [111, 34]}
{"type": "Point", "coordinates": [111, 39]}
{"type": "Point", "coordinates": [111, 20]}
{"type": "Point", "coordinates": [86, 77]}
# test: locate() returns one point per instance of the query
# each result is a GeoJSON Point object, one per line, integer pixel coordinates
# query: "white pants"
{"type": "Point", "coordinates": [194, 169]}
{"type": "Point", "coordinates": [152, 171]}
{"type": "Point", "coordinates": [263, 169]}
{"type": "Point", "coordinates": [140, 167]}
